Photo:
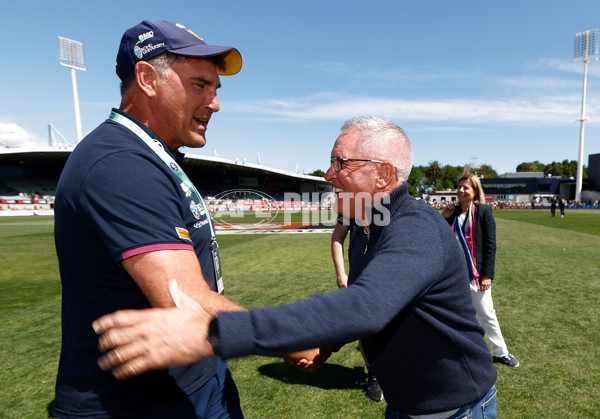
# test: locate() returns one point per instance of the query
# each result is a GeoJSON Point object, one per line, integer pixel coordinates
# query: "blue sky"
{"type": "Point", "coordinates": [491, 82]}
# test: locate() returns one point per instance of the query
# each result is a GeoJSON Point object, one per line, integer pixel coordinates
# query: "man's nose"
{"type": "Point", "coordinates": [214, 105]}
{"type": "Point", "coordinates": [330, 174]}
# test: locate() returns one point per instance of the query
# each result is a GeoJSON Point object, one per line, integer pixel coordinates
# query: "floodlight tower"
{"type": "Point", "coordinates": [71, 55]}
{"type": "Point", "coordinates": [586, 50]}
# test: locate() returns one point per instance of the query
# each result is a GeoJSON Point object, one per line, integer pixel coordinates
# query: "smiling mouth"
{"type": "Point", "coordinates": [202, 122]}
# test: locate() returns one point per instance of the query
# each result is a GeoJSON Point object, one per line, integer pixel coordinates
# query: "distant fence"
{"type": "Point", "coordinates": [543, 207]}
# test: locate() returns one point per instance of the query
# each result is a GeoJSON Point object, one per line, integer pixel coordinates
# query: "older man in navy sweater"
{"type": "Point", "coordinates": [408, 299]}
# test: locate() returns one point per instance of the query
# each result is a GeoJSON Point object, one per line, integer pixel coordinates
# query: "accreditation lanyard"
{"type": "Point", "coordinates": [186, 185]}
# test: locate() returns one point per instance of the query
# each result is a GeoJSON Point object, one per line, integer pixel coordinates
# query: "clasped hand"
{"type": "Point", "coordinates": [309, 360]}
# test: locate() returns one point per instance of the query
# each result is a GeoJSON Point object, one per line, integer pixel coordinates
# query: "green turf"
{"type": "Point", "coordinates": [546, 294]}
{"type": "Point", "coordinates": [29, 316]}
{"type": "Point", "coordinates": [582, 220]}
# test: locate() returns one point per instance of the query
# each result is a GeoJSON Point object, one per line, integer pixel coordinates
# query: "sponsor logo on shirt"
{"type": "Point", "coordinates": [187, 191]}
{"type": "Point", "coordinates": [196, 209]}
{"type": "Point", "coordinates": [183, 233]}
{"type": "Point", "coordinates": [199, 224]}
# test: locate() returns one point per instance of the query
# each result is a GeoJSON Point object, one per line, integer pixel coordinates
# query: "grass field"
{"type": "Point", "coordinates": [547, 295]}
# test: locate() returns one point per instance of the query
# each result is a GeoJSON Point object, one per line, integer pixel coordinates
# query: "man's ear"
{"type": "Point", "coordinates": [386, 175]}
{"type": "Point", "coordinates": [146, 78]}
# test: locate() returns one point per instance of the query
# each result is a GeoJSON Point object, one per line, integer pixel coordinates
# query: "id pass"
{"type": "Point", "coordinates": [214, 250]}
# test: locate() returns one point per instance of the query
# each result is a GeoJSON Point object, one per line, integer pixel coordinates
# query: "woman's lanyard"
{"type": "Point", "coordinates": [186, 185]}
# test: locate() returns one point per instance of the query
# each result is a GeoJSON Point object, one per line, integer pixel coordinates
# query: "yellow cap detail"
{"type": "Point", "coordinates": [179, 25]}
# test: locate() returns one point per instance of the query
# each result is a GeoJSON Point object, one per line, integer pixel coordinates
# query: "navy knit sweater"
{"type": "Point", "coordinates": [409, 301]}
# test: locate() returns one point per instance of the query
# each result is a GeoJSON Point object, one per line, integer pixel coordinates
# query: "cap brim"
{"type": "Point", "coordinates": [233, 62]}
{"type": "Point", "coordinates": [232, 58]}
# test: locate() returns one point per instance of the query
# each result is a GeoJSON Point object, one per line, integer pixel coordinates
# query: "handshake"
{"type": "Point", "coordinates": [309, 360]}
{"type": "Point", "coordinates": [137, 341]}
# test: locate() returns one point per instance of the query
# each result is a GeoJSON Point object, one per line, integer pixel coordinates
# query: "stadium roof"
{"type": "Point", "coordinates": [195, 160]}
{"type": "Point", "coordinates": [33, 156]}
{"type": "Point", "coordinates": [52, 158]}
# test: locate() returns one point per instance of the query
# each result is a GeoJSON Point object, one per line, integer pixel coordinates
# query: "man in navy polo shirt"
{"type": "Point", "coordinates": [128, 220]}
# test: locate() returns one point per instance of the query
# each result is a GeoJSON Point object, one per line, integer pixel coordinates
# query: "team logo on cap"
{"type": "Point", "coordinates": [144, 36]}
{"type": "Point", "coordinates": [183, 27]}
{"type": "Point", "coordinates": [146, 49]}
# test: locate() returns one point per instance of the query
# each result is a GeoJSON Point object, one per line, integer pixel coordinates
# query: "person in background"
{"type": "Point", "coordinates": [357, 240]}
{"type": "Point", "coordinates": [561, 206]}
{"type": "Point", "coordinates": [473, 222]}
{"type": "Point", "coordinates": [553, 206]}
{"type": "Point", "coordinates": [408, 301]}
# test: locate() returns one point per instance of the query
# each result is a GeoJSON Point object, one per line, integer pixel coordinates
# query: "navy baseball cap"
{"type": "Point", "coordinates": [150, 38]}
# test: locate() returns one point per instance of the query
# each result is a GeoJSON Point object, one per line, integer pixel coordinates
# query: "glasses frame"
{"type": "Point", "coordinates": [338, 162]}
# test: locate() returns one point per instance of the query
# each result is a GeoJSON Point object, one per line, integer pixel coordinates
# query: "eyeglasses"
{"type": "Point", "coordinates": [338, 162]}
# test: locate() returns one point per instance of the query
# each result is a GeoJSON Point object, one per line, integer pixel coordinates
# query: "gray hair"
{"type": "Point", "coordinates": [383, 140]}
{"type": "Point", "coordinates": [162, 62]}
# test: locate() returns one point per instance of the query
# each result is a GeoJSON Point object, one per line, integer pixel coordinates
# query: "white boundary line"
{"type": "Point", "coordinates": [282, 231]}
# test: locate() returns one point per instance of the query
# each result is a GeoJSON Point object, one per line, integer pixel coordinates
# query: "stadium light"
{"type": "Point", "coordinates": [71, 56]}
{"type": "Point", "coordinates": [586, 50]}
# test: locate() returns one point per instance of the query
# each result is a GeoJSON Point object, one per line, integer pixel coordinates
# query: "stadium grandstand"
{"type": "Point", "coordinates": [28, 180]}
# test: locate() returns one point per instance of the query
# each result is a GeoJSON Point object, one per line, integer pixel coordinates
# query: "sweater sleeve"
{"type": "Point", "coordinates": [402, 262]}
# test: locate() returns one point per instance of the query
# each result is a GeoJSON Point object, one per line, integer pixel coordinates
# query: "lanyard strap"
{"type": "Point", "coordinates": [159, 150]}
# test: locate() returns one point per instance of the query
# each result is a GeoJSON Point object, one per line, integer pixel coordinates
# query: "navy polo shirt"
{"type": "Point", "coordinates": [116, 199]}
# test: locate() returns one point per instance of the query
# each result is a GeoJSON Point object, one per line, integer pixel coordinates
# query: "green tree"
{"type": "Point", "coordinates": [569, 168]}
{"type": "Point", "coordinates": [554, 169]}
{"type": "Point", "coordinates": [435, 172]}
{"type": "Point", "coordinates": [564, 169]}
{"type": "Point", "coordinates": [417, 181]}
{"type": "Point", "coordinates": [486, 171]}
{"type": "Point", "coordinates": [451, 176]}
{"type": "Point", "coordinates": [318, 173]}
{"type": "Point", "coordinates": [533, 166]}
